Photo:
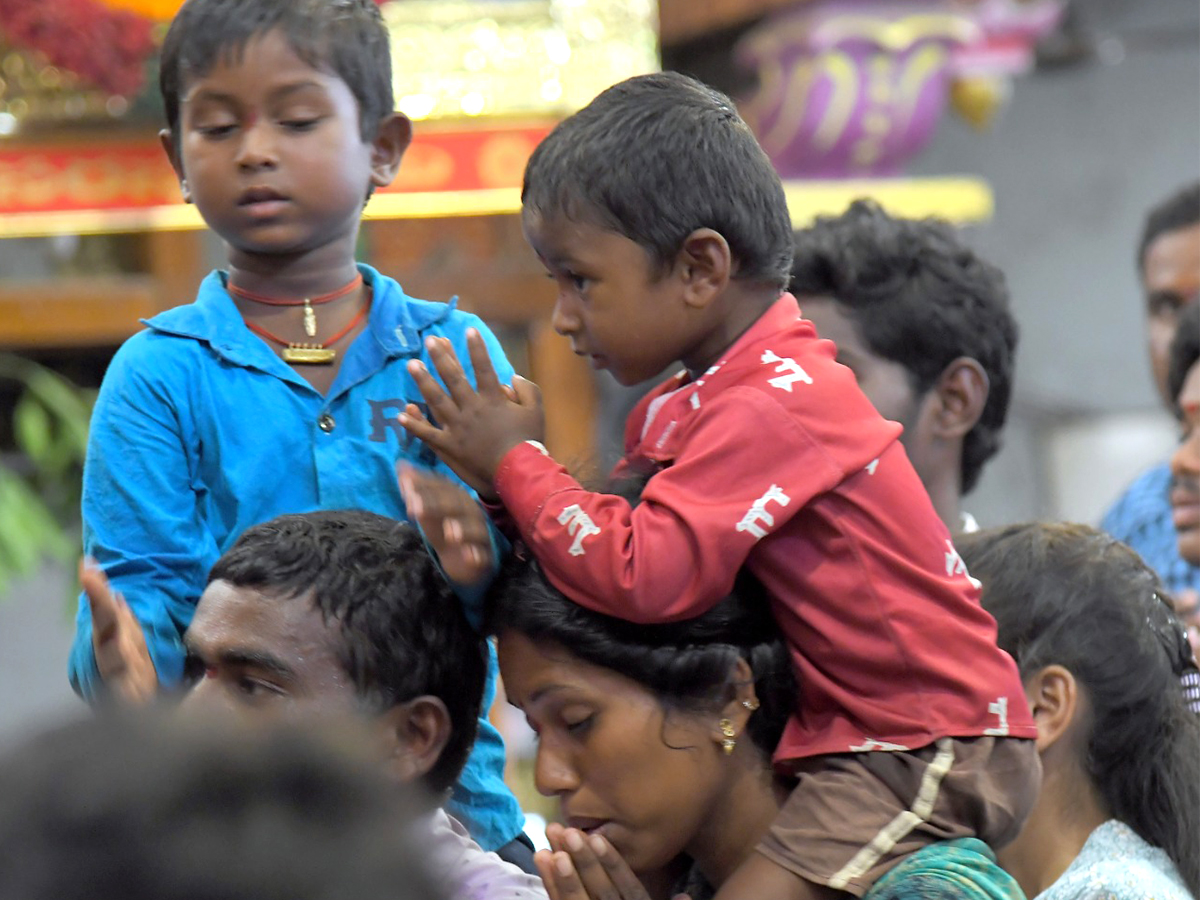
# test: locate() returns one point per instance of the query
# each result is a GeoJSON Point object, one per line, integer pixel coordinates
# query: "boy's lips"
{"type": "Point", "coordinates": [587, 824]}
{"type": "Point", "coordinates": [262, 201]}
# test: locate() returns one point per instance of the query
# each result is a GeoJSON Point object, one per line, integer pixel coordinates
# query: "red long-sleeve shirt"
{"type": "Point", "coordinates": [774, 459]}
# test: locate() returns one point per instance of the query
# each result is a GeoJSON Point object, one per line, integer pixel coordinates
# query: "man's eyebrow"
{"type": "Point", "coordinates": [1174, 298]}
{"type": "Point", "coordinates": [237, 656]}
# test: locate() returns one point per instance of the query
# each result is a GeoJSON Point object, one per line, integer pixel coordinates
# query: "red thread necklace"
{"type": "Point", "coordinates": [310, 316]}
{"type": "Point", "coordinates": [306, 353]}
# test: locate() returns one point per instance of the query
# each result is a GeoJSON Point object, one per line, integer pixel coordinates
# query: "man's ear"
{"type": "Point", "coordinates": [167, 139]}
{"type": "Point", "coordinates": [415, 733]}
{"type": "Point", "coordinates": [705, 263]}
{"type": "Point", "coordinates": [960, 393]}
{"type": "Point", "coordinates": [387, 149]}
{"type": "Point", "coordinates": [1053, 696]}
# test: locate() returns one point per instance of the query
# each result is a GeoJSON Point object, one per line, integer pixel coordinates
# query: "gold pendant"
{"type": "Point", "coordinates": [310, 319]}
{"type": "Point", "coordinates": [309, 354]}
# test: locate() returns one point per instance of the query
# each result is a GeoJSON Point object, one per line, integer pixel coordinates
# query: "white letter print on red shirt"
{"type": "Point", "coordinates": [579, 524]}
{"type": "Point", "coordinates": [789, 367]}
{"type": "Point", "coordinates": [758, 512]}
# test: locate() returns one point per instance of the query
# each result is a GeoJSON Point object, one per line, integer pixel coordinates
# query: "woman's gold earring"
{"type": "Point", "coordinates": [729, 743]}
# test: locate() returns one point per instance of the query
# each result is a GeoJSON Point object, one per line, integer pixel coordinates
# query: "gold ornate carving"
{"type": "Point", "coordinates": [468, 58]}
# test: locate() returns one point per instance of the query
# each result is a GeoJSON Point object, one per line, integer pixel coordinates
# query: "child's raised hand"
{"type": "Point", "coordinates": [475, 428]}
{"type": "Point", "coordinates": [585, 867]}
{"type": "Point", "coordinates": [117, 640]}
{"type": "Point", "coordinates": [454, 523]}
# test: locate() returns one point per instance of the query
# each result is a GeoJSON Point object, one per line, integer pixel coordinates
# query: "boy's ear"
{"type": "Point", "coordinates": [167, 139]}
{"type": "Point", "coordinates": [387, 149]}
{"type": "Point", "coordinates": [961, 393]}
{"type": "Point", "coordinates": [415, 733]}
{"type": "Point", "coordinates": [705, 264]}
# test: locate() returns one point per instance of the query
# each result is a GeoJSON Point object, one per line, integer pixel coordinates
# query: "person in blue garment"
{"type": "Point", "coordinates": [1168, 260]}
{"type": "Point", "coordinates": [275, 391]}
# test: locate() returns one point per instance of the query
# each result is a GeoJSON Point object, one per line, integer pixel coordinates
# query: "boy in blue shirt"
{"type": "Point", "coordinates": [277, 390]}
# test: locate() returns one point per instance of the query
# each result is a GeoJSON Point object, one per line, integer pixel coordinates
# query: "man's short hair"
{"type": "Point", "coordinates": [129, 808]}
{"type": "Point", "coordinates": [402, 632]}
{"type": "Point", "coordinates": [1178, 211]}
{"type": "Point", "coordinates": [656, 157]}
{"type": "Point", "coordinates": [920, 298]}
{"type": "Point", "coordinates": [346, 37]}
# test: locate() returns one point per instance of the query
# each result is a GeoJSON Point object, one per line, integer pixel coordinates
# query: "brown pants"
{"type": "Point", "coordinates": [852, 816]}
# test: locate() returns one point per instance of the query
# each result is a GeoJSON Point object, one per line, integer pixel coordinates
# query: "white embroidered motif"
{"type": "Point", "coordinates": [956, 566]}
{"type": "Point", "coordinates": [790, 367]}
{"type": "Point", "coordinates": [1000, 708]}
{"type": "Point", "coordinates": [758, 512]}
{"type": "Point", "coordinates": [872, 466]}
{"type": "Point", "coordinates": [870, 745]}
{"type": "Point", "coordinates": [579, 524]}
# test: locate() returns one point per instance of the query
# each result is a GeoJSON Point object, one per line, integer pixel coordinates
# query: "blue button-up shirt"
{"type": "Point", "coordinates": [200, 431]}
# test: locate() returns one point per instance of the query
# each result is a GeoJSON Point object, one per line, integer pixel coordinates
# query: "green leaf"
{"type": "Point", "coordinates": [33, 431]}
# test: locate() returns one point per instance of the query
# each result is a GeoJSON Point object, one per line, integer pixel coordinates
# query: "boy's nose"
{"type": "Point", "coordinates": [563, 318]}
{"type": "Point", "coordinates": [257, 148]}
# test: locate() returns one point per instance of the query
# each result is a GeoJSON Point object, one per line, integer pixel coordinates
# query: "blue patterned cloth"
{"type": "Point", "coordinates": [962, 869]}
{"type": "Point", "coordinates": [1141, 518]}
{"type": "Point", "coordinates": [1116, 864]}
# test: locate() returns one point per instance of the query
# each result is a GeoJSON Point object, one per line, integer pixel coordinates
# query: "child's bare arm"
{"type": "Point", "coordinates": [452, 521]}
{"type": "Point", "coordinates": [474, 428]}
{"type": "Point", "coordinates": [118, 640]}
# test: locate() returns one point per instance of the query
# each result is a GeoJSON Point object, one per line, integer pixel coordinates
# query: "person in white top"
{"type": "Point", "coordinates": [1111, 682]}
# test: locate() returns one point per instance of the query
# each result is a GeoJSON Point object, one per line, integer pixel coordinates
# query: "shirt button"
{"type": "Point", "coordinates": [326, 423]}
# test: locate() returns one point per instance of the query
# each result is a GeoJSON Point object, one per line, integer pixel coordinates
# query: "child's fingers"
{"type": "Point", "coordinates": [442, 405]}
{"type": "Point", "coordinates": [102, 603]}
{"type": "Point", "coordinates": [451, 371]}
{"type": "Point", "coordinates": [527, 393]}
{"type": "Point", "coordinates": [421, 428]}
{"type": "Point", "coordinates": [486, 381]}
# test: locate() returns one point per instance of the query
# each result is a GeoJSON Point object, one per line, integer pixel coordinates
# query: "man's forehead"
{"type": "Point", "coordinates": [1173, 260]}
{"type": "Point", "coordinates": [226, 611]}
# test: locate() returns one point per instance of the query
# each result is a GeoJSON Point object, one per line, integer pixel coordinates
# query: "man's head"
{"type": "Point", "coordinates": [1183, 381]}
{"type": "Point", "coordinates": [345, 37]}
{"type": "Point", "coordinates": [332, 613]}
{"type": "Point", "coordinates": [118, 808]}
{"type": "Point", "coordinates": [925, 325]}
{"type": "Point", "coordinates": [1168, 259]}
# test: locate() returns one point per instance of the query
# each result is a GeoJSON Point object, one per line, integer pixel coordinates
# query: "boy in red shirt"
{"type": "Point", "coordinates": [667, 233]}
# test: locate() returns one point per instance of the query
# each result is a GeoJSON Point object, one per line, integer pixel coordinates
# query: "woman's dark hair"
{"type": "Point", "coordinates": [656, 157]}
{"type": "Point", "coordinates": [403, 632]}
{"type": "Point", "coordinates": [688, 665]}
{"type": "Point", "coordinates": [1068, 595]}
{"type": "Point", "coordinates": [346, 37]}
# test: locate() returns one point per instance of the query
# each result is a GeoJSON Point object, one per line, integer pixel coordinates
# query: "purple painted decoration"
{"type": "Point", "coordinates": [852, 87]}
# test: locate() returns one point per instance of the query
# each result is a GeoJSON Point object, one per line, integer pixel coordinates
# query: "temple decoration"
{"type": "Point", "coordinates": [515, 58]}
{"type": "Point", "coordinates": [854, 88]}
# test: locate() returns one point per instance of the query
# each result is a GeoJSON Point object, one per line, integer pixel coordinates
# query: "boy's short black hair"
{"type": "Point", "coordinates": [1180, 210]}
{"type": "Point", "coordinates": [920, 298]}
{"type": "Point", "coordinates": [346, 37]}
{"type": "Point", "coordinates": [403, 631]}
{"type": "Point", "coordinates": [655, 157]}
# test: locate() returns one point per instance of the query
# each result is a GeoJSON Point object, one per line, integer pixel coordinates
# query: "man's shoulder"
{"type": "Point", "coordinates": [1143, 502]}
